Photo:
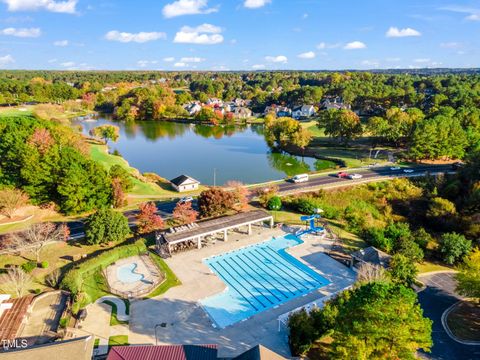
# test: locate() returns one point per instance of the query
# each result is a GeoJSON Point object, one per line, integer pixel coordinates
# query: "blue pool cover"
{"type": "Point", "coordinates": [258, 277]}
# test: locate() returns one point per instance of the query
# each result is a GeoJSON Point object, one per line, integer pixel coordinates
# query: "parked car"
{"type": "Point", "coordinates": [185, 199]}
{"type": "Point", "coordinates": [342, 175]}
{"type": "Point", "coordinates": [355, 176]}
{"type": "Point", "coordinates": [300, 178]}
{"type": "Point", "coordinates": [408, 171]}
{"type": "Point", "coordinates": [394, 168]}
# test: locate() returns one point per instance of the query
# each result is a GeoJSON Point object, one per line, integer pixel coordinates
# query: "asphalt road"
{"type": "Point", "coordinates": [437, 297]}
{"type": "Point", "coordinates": [165, 208]}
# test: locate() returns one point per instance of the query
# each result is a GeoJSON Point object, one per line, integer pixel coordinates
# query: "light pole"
{"type": "Point", "coordinates": [156, 338]}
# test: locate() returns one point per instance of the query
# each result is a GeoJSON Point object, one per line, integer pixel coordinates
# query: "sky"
{"type": "Point", "coordinates": [238, 34]}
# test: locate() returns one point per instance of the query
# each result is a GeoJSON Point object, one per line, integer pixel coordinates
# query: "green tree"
{"type": "Point", "coordinates": [301, 138]}
{"type": "Point", "coordinates": [342, 124]}
{"type": "Point", "coordinates": [454, 247]}
{"type": "Point", "coordinates": [124, 177]}
{"type": "Point", "coordinates": [275, 203]}
{"type": "Point", "coordinates": [468, 277]}
{"type": "Point", "coordinates": [378, 321]}
{"type": "Point", "coordinates": [402, 269]}
{"type": "Point", "coordinates": [106, 132]}
{"type": "Point", "coordinates": [106, 225]}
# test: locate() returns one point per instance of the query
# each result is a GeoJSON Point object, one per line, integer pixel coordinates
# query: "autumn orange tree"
{"type": "Point", "coordinates": [184, 213]}
{"type": "Point", "coordinates": [148, 219]}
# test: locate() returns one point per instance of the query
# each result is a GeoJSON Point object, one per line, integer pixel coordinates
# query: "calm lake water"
{"type": "Point", "coordinates": [233, 153]}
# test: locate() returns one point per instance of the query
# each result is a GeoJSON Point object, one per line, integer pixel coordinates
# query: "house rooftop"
{"type": "Point", "coordinates": [164, 352]}
{"type": "Point", "coordinates": [373, 256]}
{"type": "Point", "coordinates": [259, 352]}
{"type": "Point", "coordinates": [12, 317]}
{"type": "Point", "coordinates": [182, 179]}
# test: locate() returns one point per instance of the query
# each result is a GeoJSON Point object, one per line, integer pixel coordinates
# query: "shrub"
{"type": "Point", "coordinates": [44, 264]}
{"type": "Point", "coordinates": [275, 203]}
{"type": "Point", "coordinates": [37, 291]}
{"type": "Point", "coordinates": [106, 225]}
{"type": "Point", "coordinates": [29, 266]}
{"type": "Point", "coordinates": [302, 332]}
{"type": "Point", "coordinates": [454, 246]}
{"type": "Point", "coordinates": [377, 238]}
{"type": "Point", "coordinates": [53, 278]}
{"type": "Point", "coordinates": [402, 269]}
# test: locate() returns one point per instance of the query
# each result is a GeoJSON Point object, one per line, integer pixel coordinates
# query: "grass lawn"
{"type": "Point", "coordinates": [170, 279]}
{"type": "Point", "coordinates": [118, 340]}
{"type": "Point", "coordinates": [464, 321]}
{"type": "Point", "coordinates": [100, 154]}
{"type": "Point", "coordinates": [58, 255]}
{"type": "Point", "coordinates": [314, 129]}
{"type": "Point", "coordinates": [428, 266]}
{"type": "Point", "coordinates": [350, 241]}
{"type": "Point", "coordinates": [113, 319]}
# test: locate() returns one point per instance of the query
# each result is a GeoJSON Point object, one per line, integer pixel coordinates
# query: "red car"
{"type": "Point", "coordinates": [342, 175]}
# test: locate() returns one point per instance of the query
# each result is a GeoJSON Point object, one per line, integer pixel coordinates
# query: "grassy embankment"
{"type": "Point", "coordinates": [351, 211]}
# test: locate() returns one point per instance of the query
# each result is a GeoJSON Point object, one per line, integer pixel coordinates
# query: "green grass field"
{"type": "Point", "coordinates": [113, 319]}
{"type": "Point", "coordinates": [141, 188]}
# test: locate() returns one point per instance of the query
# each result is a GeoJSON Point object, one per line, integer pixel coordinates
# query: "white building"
{"type": "Point", "coordinates": [304, 111]}
{"type": "Point", "coordinates": [184, 183]}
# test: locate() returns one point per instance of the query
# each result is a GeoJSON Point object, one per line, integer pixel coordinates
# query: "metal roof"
{"type": "Point", "coordinates": [164, 352]}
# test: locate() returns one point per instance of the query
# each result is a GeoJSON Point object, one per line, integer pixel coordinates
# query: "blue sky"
{"type": "Point", "coordinates": [238, 34]}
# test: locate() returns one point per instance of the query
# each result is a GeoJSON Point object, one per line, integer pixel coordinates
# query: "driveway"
{"type": "Point", "coordinates": [437, 297]}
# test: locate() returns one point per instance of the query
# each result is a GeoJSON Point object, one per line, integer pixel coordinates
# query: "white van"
{"type": "Point", "coordinates": [300, 178]}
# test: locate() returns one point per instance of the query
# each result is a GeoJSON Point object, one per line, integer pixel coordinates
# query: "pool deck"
{"type": "Point", "coordinates": [149, 278]}
{"type": "Point", "coordinates": [181, 320]}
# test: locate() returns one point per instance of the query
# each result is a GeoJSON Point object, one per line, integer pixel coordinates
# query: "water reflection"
{"type": "Point", "coordinates": [236, 152]}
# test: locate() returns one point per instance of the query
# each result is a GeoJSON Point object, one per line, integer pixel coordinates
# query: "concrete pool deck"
{"type": "Point", "coordinates": [177, 317]}
{"type": "Point", "coordinates": [151, 276]}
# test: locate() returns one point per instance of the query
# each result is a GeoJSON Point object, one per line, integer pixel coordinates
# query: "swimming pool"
{"type": "Point", "coordinates": [258, 277]}
{"type": "Point", "coordinates": [127, 274]}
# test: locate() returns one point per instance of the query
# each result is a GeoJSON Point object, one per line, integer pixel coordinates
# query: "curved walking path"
{"type": "Point", "coordinates": [120, 304]}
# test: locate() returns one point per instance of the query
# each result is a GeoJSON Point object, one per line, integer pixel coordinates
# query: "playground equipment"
{"type": "Point", "coordinates": [311, 225]}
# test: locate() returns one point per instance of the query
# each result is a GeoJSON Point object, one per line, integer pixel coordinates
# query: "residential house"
{"type": "Point", "coordinates": [184, 183]}
{"type": "Point", "coordinates": [214, 101]}
{"type": "Point", "coordinates": [278, 110]}
{"type": "Point", "coordinates": [192, 108]}
{"type": "Point", "coordinates": [80, 348]}
{"type": "Point", "coordinates": [186, 352]}
{"type": "Point", "coordinates": [335, 103]}
{"type": "Point", "coordinates": [242, 113]}
{"type": "Point", "coordinates": [303, 112]}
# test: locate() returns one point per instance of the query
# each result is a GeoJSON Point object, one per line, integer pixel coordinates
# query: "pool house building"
{"type": "Point", "coordinates": [197, 232]}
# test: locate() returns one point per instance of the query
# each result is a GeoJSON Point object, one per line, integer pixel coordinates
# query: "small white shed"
{"type": "Point", "coordinates": [184, 183]}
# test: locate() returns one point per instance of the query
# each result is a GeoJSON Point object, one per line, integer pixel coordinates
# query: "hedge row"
{"type": "Point", "coordinates": [75, 277]}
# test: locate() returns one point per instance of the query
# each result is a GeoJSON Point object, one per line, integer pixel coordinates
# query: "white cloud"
{"type": "Point", "coordinates": [277, 59]}
{"type": "Point", "coordinates": [422, 60]}
{"type": "Point", "coordinates": [205, 34]}
{"type": "Point", "coordinates": [451, 45]}
{"type": "Point", "coordinates": [180, 64]}
{"type": "Point", "coordinates": [192, 59]}
{"type": "Point", "coordinates": [355, 45]}
{"type": "Point", "coordinates": [61, 43]}
{"type": "Point", "coordinates": [67, 6]}
{"type": "Point", "coordinates": [5, 60]}
{"type": "Point", "coordinates": [307, 55]}
{"type": "Point", "coordinates": [255, 4]}
{"type": "Point", "coordinates": [324, 45]}
{"type": "Point", "coordinates": [187, 7]}
{"type": "Point", "coordinates": [140, 37]}
{"type": "Point", "coordinates": [394, 32]}
{"type": "Point", "coordinates": [21, 32]}
{"type": "Point", "coordinates": [393, 59]}
{"type": "Point", "coordinates": [67, 64]}
{"type": "Point", "coordinates": [473, 14]}
{"type": "Point", "coordinates": [258, 67]}
{"type": "Point", "coordinates": [370, 63]}
{"type": "Point", "coordinates": [169, 59]}
{"type": "Point", "coordinates": [144, 63]}
{"type": "Point", "coordinates": [51, 61]}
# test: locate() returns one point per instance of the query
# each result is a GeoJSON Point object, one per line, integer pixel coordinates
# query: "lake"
{"type": "Point", "coordinates": [208, 153]}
